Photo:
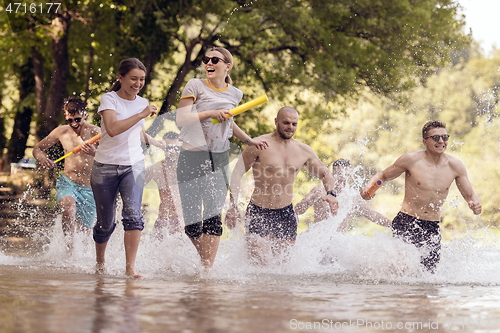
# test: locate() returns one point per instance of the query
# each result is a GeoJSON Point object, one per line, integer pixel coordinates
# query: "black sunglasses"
{"type": "Point", "coordinates": [215, 60]}
{"type": "Point", "coordinates": [77, 120]}
{"type": "Point", "coordinates": [436, 137]}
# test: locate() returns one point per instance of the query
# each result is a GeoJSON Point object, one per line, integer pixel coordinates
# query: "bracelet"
{"type": "Point", "coordinates": [247, 140]}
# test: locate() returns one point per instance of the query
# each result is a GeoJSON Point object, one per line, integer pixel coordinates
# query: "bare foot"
{"type": "Point", "coordinates": [133, 275]}
{"type": "Point", "coordinates": [100, 269]}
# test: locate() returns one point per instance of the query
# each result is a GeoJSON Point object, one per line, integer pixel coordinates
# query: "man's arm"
{"type": "Point", "coordinates": [245, 162]}
{"type": "Point", "coordinates": [45, 143]}
{"type": "Point", "coordinates": [315, 195]}
{"type": "Point", "coordinates": [319, 169]}
{"type": "Point", "coordinates": [465, 187]}
{"type": "Point", "coordinates": [149, 140]}
{"type": "Point", "coordinates": [392, 172]}
{"type": "Point", "coordinates": [372, 215]}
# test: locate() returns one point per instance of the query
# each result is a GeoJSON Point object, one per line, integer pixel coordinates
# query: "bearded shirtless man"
{"type": "Point", "coordinates": [271, 222]}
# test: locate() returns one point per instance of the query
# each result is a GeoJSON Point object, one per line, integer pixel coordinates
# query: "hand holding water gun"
{"type": "Point", "coordinates": [369, 193]}
{"type": "Point", "coordinates": [78, 148]}
{"type": "Point", "coordinates": [244, 107]}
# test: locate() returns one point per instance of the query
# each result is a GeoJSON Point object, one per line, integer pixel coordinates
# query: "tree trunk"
{"type": "Point", "coordinates": [17, 142]}
{"type": "Point", "coordinates": [171, 96]}
{"type": "Point", "coordinates": [39, 85]}
{"type": "Point", "coordinates": [60, 73]}
{"type": "Point", "coordinates": [22, 119]}
{"type": "Point", "coordinates": [89, 74]}
{"type": "Point", "coordinates": [3, 142]}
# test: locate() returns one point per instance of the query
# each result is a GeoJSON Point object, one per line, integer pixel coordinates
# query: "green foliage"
{"type": "Point", "coordinates": [375, 131]}
{"type": "Point", "coordinates": [347, 66]}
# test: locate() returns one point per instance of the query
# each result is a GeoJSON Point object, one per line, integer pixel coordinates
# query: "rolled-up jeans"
{"type": "Point", "coordinates": [107, 180]}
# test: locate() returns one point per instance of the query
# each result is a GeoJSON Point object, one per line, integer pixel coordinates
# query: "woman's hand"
{"type": "Point", "coordinates": [149, 111]}
{"type": "Point", "coordinates": [220, 115]}
{"type": "Point", "coordinates": [260, 144]}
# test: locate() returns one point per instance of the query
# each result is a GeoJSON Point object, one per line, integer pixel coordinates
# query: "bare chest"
{"type": "Point", "coordinates": [279, 165]}
{"type": "Point", "coordinates": [433, 179]}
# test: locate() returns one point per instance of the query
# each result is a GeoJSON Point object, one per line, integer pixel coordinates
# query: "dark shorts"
{"type": "Point", "coordinates": [279, 223]}
{"type": "Point", "coordinates": [211, 226]}
{"type": "Point", "coordinates": [423, 234]}
{"type": "Point", "coordinates": [203, 181]}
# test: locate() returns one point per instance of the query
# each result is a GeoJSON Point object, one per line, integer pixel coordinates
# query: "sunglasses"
{"type": "Point", "coordinates": [172, 148]}
{"type": "Point", "coordinates": [436, 137]}
{"type": "Point", "coordinates": [215, 60]}
{"type": "Point", "coordinates": [77, 120]}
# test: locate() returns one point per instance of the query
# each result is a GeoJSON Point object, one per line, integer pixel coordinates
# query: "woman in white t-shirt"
{"type": "Point", "coordinates": [119, 162]}
{"type": "Point", "coordinates": [202, 170]}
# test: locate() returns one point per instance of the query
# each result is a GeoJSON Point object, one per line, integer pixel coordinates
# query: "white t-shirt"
{"type": "Point", "coordinates": [124, 148]}
{"type": "Point", "coordinates": [205, 135]}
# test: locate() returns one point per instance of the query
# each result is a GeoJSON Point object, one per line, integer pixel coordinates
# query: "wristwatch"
{"type": "Point", "coordinates": [332, 192]}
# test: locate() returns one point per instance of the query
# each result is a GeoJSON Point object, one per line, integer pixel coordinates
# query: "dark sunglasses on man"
{"type": "Point", "coordinates": [76, 120]}
{"type": "Point", "coordinates": [215, 60]}
{"type": "Point", "coordinates": [436, 137]}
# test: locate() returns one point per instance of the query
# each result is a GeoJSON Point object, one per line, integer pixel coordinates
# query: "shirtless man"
{"type": "Point", "coordinates": [164, 174]}
{"type": "Point", "coordinates": [428, 176]}
{"type": "Point", "coordinates": [73, 191]}
{"type": "Point", "coordinates": [341, 170]}
{"type": "Point", "coordinates": [271, 222]}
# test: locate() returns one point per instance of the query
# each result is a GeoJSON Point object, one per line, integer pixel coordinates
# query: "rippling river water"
{"type": "Point", "coordinates": [367, 284]}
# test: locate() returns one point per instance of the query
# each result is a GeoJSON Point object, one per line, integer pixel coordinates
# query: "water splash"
{"type": "Point", "coordinates": [234, 10]}
{"type": "Point", "coordinates": [320, 253]}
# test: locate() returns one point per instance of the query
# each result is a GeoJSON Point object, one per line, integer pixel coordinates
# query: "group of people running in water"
{"type": "Point", "coordinates": [194, 178]}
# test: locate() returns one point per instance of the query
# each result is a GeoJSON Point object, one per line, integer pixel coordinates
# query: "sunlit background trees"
{"type": "Point", "coordinates": [364, 75]}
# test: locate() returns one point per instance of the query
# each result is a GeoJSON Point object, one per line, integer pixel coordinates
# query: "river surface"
{"type": "Point", "coordinates": [333, 282]}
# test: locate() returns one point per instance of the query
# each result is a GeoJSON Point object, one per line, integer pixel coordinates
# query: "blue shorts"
{"type": "Point", "coordinates": [107, 181]}
{"type": "Point", "coordinates": [83, 196]}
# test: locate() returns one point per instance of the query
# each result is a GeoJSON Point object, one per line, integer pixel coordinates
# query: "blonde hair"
{"type": "Point", "coordinates": [228, 57]}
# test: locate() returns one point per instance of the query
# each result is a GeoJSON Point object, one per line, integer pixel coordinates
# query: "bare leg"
{"type": "Point", "coordinates": [100, 255]}
{"type": "Point", "coordinates": [68, 222]}
{"type": "Point", "coordinates": [207, 246]}
{"type": "Point", "coordinates": [281, 248]}
{"type": "Point", "coordinates": [259, 250]}
{"type": "Point", "coordinates": [158, 229]}
{"type": "Point", "coordinates": [131, 239]}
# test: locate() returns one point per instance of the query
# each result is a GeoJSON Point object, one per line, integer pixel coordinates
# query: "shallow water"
{"type": "Point", "coordinates": [332, 282]}
{"type": "Point", "coordinates": [54, 299]}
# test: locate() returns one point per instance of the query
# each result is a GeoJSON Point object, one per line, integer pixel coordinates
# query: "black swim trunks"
{"type": "Point", "coordinates": [280, 223]}
{"type": "Point", "coordinates": [211, 226]}
{"type": "Point", "coordinates": [423, 234]}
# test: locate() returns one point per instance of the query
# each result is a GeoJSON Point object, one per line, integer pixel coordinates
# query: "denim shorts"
{"type": "Point", "coordinates": [107, 180]}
